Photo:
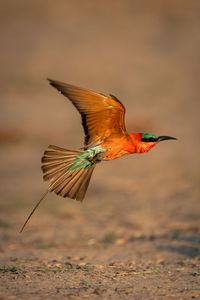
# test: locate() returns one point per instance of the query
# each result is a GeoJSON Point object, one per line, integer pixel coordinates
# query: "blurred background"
{"type": "Point", "coordinates": [147, 53]}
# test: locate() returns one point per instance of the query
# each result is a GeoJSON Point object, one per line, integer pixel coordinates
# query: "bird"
{"type": "Point", "coordinates": [106, 138]}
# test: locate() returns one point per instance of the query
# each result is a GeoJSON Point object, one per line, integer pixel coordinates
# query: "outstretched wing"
{"type": "Point", "coordinates": [102, 116]}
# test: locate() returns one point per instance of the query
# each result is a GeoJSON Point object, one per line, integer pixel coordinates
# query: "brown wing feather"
{"type": "Point", "coordinates": [102, 116]}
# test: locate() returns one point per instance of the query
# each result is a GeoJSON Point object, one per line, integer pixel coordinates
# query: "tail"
{"type": "Point", "coordinates": [68, 172]}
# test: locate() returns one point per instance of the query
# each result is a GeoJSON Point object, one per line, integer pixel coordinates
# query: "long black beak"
{"type": "Point", "coordinates": [164, 137]}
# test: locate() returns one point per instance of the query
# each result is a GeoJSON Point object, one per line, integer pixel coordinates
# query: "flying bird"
{"type": "Point", "coordinates": [69, 171]}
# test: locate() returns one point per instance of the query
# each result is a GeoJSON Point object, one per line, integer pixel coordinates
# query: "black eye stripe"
{"type": "Point", "coordinates": [149, 140]}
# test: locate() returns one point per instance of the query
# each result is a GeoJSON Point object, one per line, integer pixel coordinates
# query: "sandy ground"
{"type": "Point", "coordinates": [137, 234]}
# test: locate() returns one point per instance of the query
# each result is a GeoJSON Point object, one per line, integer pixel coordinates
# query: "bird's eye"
{"type": "Point", "coordinates": [149, 140]}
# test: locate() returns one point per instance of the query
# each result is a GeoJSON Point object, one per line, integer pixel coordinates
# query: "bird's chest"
{"type": "Point", "coordinates": [112, 154]}
{"type": "Point", "coordinates": [117, 149]}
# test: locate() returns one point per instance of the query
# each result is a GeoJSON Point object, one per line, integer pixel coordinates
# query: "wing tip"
{"type": "Point", "coordinates": [51, 81]}
{"type": "Point", "coordinates": [116, 99]}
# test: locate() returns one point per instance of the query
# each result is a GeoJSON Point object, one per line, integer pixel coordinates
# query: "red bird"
{"type": "Point", "coordinates": [106, 138]}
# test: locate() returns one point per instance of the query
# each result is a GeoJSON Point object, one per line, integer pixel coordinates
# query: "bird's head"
{"type": "Point", "coordinates": [146, 141]}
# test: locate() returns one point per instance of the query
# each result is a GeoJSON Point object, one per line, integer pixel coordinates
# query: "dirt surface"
{"type": "Point", "coordinates": [137, 234]}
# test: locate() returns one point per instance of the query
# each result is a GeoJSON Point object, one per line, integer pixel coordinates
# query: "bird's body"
{"type": "Point", "coordinates": [127, 144]}
{"type": "Point", "coordinates": [69, 171]}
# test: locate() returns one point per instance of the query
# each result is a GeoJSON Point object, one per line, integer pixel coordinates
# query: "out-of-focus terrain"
{"type": "Point", "coordinates": [137, 234]}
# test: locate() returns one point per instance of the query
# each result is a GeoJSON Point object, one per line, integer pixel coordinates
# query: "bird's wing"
{"type": "Point", "coordinates": [102, 116]}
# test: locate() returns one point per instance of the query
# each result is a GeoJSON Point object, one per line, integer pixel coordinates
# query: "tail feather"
{"type": "Point", "coordinates": [69, 173]}
{"type": "Point", "coordinates": [78, 187]}
{"type": "Point", "coordinates": [34, 209]}
{"type": "Point", "coordinates": [76, 184]}
{"type": "Point", "coordinates": [50, 166]}
{"type": "Point", "coordinates": [56, 150]}
{"type": "Point", "coordinates": [64, 182]}
{"type": "Point", "coordinates": [56, 163]}
{"type": "Point", "coordinates": [67, 190]}
{"type": "Point", "coordinates": [52, 171]}
{"type": "Point", "coordinates": [80, 194]}
{"type": "Point", "coordinates": [56, 160]}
